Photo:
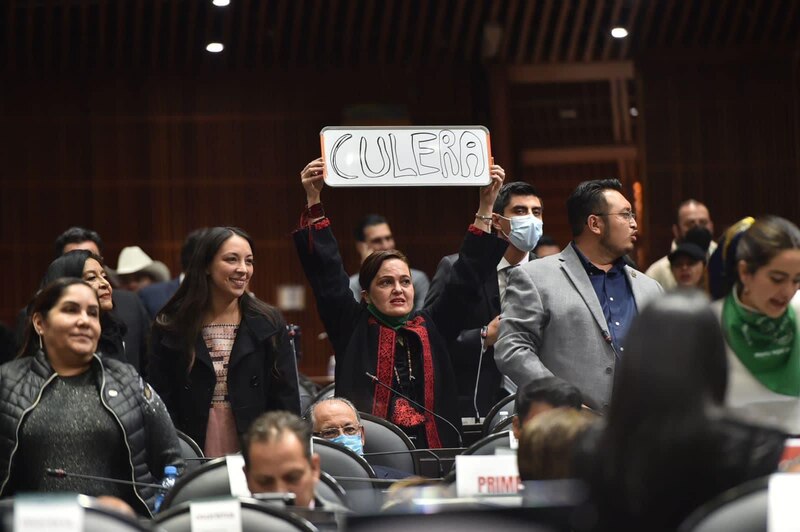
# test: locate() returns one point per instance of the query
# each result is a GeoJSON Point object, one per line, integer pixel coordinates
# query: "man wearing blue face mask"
{"type": "Point", "coordinates": [337, 420]}
{"type": "Point", "coordinates": [517, 217]}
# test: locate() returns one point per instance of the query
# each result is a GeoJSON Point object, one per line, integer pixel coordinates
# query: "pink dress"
{"type": "Point", "coordinates": [221, 436]}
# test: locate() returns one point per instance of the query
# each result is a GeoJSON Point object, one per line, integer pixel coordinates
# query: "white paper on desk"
{"type": "Point", "coordinates": [223, 515]}
{"type": "Point", "coordinates": [236, 477]}
{"type": "Point", "coordinates": [486, 475]}
{"type": "Point", "coordinates": [782, 514]}
{"type": "Point", "coordinates": [48, 513]}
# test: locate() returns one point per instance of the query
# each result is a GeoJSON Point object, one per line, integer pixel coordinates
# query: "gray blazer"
{"type": "Point", "coordinates": [552, 324]}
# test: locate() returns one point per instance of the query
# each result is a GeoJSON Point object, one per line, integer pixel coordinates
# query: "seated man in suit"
{"type": "Point", "coordinates": [517, 215]}
{"type": "Point", "coordinates": [374, 234]}
{"type": "Point", "coordinates": [278, 459]}
{"type": "Point", "coordinates": [567, 315]}
{"type": "Point", "coordinates": [337, 420]}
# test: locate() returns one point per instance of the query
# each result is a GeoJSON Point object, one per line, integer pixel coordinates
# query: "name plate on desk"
{"type": "Point", "coordinates": [48, 513]}
{"type": "Point", "coordinates": [486, 475]}
{"type": "Point", "coordinates": [406, 156]}
{"type": "Point", "coordinates": [782, 515]}
{"type": "Point", "coordinates": [215, 516]}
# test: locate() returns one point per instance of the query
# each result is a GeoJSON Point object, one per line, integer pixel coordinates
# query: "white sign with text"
{"type": "Point", "coordinates": [486, 475]}
{"type": "Point", "coordinates": [406, 156]}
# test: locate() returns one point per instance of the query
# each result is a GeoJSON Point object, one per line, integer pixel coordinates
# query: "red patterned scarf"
{"type": "Point", "coordinates": [386, 346]}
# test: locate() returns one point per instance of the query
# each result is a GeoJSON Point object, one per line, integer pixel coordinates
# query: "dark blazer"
{"type": "Point", "coordinates": [129, 309]}
{"type": "Point", "coordinates": [262, 376]}
{"type": "Point", "coordinates": [465, 349]}
{"type": "Point", "coordinates": [156, 295]}
{"type": "Point", "coordinates": [354, 333]}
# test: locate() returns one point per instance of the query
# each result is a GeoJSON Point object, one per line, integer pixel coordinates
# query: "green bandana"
{"type": "Point", "coordinates": [766, 346]}
{"type": "Point", "coordinates": [393, 322]}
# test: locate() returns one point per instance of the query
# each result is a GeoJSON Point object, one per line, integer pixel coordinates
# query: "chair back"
{"type": "Point", "coordinates": [504, 426]}
{"type": "Point", "coordinates": [488, 445]}
{"type": "Point", "coordinates": [256, 516]}
{"type": "Point", "coordinates": [384, 436]}
{"type": "Point", "coordinates": [96, 517]}
{"type": "Point", "coordinates": [339, 461]}
{"type": "Point", "coordinates": [190, 452]}
{"type": "Point", "coordinates": [330, 490]}
{"type": "Point", "coordinates": [740, 509]}
{"type": "Point", "coordinates": [503, 409]}
{"type": "Point", "coordinates": [327, 391]}
{"type": "Point", "coordinates": [208, 480]}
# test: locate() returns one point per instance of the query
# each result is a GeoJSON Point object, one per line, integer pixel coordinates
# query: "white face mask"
{"type": "Point", "coordinates": [525, 231]}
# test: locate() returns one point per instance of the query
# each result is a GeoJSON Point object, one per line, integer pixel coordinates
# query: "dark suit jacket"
{"type": "Point", "coordinates": [156, 295]}
{"type": "Point", "coordinates": [262, 376]}
{"type": "Point", "coordinates": [465, 349]}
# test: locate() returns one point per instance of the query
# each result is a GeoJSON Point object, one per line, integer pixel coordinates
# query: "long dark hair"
{"type": "Point", "coordinates": [71, 265]}
{"type": "Point", "coordinates": [670, 381]}
{"type": "Point", "coordinates": [183, 314]}
{"type": "Point", "coordinates": [44, 300]}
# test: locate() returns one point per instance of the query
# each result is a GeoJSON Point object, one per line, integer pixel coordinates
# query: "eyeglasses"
{"type": "Point", "coordinates": [332, 432]}
{"type": "Point", "coordinates": [626, 215]}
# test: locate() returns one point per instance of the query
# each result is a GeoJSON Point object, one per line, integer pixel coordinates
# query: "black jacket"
{"type": "Point", "coordinates": [355, 335]}
{"type": "Point", "coordinates": [262, 376]}
{"type": "Point", "coordinates": [147, 430]}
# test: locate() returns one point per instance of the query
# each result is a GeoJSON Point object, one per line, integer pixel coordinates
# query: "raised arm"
{"type": "Point", "coordinates": [322, 263]}
{"type": "Point", "coordinates": [480, 252]}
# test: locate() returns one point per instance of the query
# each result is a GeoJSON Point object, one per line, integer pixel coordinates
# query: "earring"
{"type": "Point", "coordinates": [40, 340]}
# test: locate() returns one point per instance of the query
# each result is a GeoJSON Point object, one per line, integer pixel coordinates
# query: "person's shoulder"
{"type": "Point", "coordinates": [15, 367]}
{"type": "Point", "coordinates": [658, 266]}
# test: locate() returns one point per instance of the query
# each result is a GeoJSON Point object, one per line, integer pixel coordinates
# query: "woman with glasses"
{"type": "Point", "coordinates": [759, 319]}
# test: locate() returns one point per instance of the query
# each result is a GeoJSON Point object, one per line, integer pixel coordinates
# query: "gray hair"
{"type": "Point", "coordinates": [309, 416]}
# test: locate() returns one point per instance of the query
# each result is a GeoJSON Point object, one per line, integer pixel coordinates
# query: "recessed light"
{"type": "Point", "coordinates": [619, 33]}
{"type": "Point", "coordinates": [215, 47]}
{"type": "Point", "coordinates": [221, 3]}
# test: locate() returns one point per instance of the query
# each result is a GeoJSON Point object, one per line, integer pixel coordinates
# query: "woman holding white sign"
{"type": "Point", "coordinates": [386, 353]}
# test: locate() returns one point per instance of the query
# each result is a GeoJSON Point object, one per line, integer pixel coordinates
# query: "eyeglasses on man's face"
{"type": "Point", "coordinates": [628, 216]}
{"type": "Point", "coordinates": [333, 432]}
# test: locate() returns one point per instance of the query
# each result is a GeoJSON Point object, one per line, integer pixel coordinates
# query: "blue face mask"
{"type": "Point", "coordinates": [525, 231]}
{"type": "Point", "coordinates": [353, 442]}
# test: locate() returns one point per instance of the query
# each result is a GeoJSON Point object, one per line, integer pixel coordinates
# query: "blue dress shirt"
{"type": "Point", "coordinates": [614, 293]}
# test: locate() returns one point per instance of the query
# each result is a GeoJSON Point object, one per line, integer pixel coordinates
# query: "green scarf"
{"type": "Point", "coordinates": [766, 346]}
{"type": "Point", "coordinates": [393, 322]}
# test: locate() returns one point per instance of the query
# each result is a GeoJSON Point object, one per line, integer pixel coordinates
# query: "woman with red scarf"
{"type": "Point", "coordinates": [406, 350]}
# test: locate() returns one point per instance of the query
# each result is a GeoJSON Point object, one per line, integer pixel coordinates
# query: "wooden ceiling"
{"type": "Point", "coordinates": [165, 35]}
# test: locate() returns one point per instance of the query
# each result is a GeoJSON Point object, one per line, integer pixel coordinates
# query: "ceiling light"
{"type": "Point", "coordinates": [215, 47]}
{"type": "Point", "coordinates": [619, 33]}
{"type": "Point", "coordinates": [221, 3]}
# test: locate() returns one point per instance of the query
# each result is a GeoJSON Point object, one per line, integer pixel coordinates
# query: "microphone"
{"type": "Point", "coordinates": [60, 473]}
{"type": "Point", "coordinates": [386, 481]}
{"type": "Point", "coordinates": [413, 402]}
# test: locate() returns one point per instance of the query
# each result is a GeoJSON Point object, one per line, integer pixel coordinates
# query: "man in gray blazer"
{"type": "Point", "coordinates": [567, 314]}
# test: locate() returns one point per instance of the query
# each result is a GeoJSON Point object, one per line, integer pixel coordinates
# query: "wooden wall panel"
{"type": "Point", "coordinates": [723, 132]}
{"type": "Point", "coordinates": [144, 160]}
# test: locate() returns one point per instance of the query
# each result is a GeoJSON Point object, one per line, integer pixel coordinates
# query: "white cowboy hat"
{"type": "Point", "coordinates": [133, 259]}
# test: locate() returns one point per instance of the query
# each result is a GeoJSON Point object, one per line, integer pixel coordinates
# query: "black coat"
{"type": "Point", "coordinates": [355, 334]}
{"type": "Point", "coordinates": [466, 346]}
{"type": "Point", "coordinates": [262, 376]}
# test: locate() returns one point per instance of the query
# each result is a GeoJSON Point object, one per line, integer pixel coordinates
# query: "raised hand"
{"type": "Point", "coordinates": [312, 178]}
